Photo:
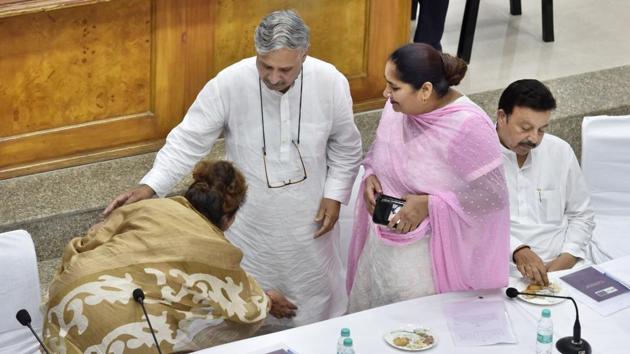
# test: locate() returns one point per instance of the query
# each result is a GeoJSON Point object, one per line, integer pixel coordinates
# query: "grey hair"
{"type": "Point", "coordinates": [281, 29]}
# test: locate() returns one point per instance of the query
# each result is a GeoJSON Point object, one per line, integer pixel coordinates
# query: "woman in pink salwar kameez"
{"type": "Point", "coordinates": [439, 152]}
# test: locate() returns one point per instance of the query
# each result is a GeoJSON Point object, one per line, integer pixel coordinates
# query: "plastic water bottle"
{"type": "Point", "coordinates": [347, 346]}
{"type": "Point", "coordinates": [544, 333]}
{"type": "Point", "coordinates": [345, 333]}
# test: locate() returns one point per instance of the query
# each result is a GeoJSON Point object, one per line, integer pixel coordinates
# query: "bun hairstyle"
{"type": "Point", "coordinates": [417, 63]}
{"type": "Point", "coordinates": [218, 190]}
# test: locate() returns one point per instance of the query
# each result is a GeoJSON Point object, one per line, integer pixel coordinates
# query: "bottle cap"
{"type": "Point", "coordinates": [345, 332]}
{"type": "Point", "coordinates": [347, 342]}
{"type": "Point", "coordinates": [546, 313]}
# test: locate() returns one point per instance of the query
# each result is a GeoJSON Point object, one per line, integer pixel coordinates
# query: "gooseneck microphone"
{"type": "Point", "coordinates": [565, 345]}
{"type": "Point", "coordinates": [25, 320]}
{"type": "Point", "coordinates": [138, 295]}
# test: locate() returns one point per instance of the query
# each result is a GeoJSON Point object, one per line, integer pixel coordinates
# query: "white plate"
{"type": "Point", "coordinates": [554, 288]}
{"type": "Point", "coordinates": [418, 338]}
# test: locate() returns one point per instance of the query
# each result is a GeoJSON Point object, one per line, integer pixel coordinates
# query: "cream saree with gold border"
{"type": "Point", "coordinates": [197, 294]}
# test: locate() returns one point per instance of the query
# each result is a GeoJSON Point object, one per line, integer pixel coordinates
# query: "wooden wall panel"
{"type": "Point", "coordinates": [87, 80]}
{"type": "Point", "coordinates": [69, 77]}
{"type": "Point", "coordinates": [96, 82]}
{"type": "Point", "coordinates": [74, 66]}
{"type": "Point", "coordinates": [388, 28]}
{"type": "Point", "coordinates": [183, 52]}
{"type": "Point", "coordinates": [332, 23]}
{"type": "Point", "coordinates": [355, 35]}
{"type": "Point", "coordinates": [20, 7]}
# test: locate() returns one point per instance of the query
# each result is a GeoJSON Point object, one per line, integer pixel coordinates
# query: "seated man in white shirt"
{"type": "Point", "coordinates": [550, 212]}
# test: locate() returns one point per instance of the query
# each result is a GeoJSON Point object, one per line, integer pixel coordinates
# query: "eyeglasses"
{"type": "Point", "coordinates": [293, 142]}
{"type": "Point", "coordinates": [290, 180]}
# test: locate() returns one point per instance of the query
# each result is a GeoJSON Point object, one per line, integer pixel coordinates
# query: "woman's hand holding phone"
{"type": "Point", "coordinates": [415, 209]}
{"type": "Point", "coordinates": [372, 188]}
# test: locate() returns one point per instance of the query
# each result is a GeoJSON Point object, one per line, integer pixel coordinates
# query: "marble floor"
{"type": "Point", "coordinates": [590, 35]}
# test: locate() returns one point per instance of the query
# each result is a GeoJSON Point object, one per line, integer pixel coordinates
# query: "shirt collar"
{"type": "Point", "coordinates": [511, 156]}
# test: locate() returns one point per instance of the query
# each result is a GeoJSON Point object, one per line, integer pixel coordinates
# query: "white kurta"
{"type": "Point", "coordinates": [388, 274]}
{"type": "Point", "coordinates": [275, 227]}
{"type": "Point", "coordinates": [549, 202]}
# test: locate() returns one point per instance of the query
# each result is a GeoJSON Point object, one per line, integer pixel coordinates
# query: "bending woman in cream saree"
{"type": "Point", "coordinates": [174, 249]}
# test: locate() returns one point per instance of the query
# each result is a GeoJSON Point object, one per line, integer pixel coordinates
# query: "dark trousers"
{"type": "Point", "coordinates": [430, 21]}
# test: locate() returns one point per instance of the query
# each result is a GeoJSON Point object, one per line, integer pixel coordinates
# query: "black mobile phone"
{"type": "Point", "coordinates": [385, 209]}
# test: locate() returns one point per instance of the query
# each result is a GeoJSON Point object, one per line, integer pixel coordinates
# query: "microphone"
{"type": "Point", "coordinates": [25, 320]}
{"type": "Point", "coordinates": [138, 295]}
{"type": "Point", "coordinates": [566, 345]}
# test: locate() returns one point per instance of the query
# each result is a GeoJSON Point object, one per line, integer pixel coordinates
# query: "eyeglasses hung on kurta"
{"type": "Point", "coordinates": [288, 181]}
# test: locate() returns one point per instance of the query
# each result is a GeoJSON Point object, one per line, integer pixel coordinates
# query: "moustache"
{"type": "Point", "coordinates": [528, 144]}
{"type": "Point", "coordinates": [277, 85]}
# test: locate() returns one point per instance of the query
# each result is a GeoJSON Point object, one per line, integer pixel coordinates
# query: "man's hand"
{"type": "Point", "coordinates": [141, 192]}
{"type": "Point", "coordinates": [327, 215]}
{"type": "Point", "coordinates": [415, 209]}
{"type": "Point", "coordinates": [280, 306]}
{"type": "Point", "coordinates": [531, 266]}
{"type": "Point", "coordinates": [564, 261]}
{"type": "Point", "coordinates": [372, 187]}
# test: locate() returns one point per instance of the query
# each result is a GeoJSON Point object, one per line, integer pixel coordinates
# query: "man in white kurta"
{"type": "Point", "coordinates": [551, 218]}
{"type": "Point", "coordinates": [309, 121]}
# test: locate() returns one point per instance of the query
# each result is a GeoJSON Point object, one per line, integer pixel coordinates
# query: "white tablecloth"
{"type": "Point", "coordinates": [605, 334]}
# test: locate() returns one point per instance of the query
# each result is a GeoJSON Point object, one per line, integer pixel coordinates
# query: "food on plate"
{"type": "Point", "coordinates": [416, 339]}
{"type": "Point", "coordinates": [401, 341]}
{"type": "Point", "coordinates": [533, 287]}
{"type": "Point", "coordinates": [426, 338]}
{"type": "Point", "coordinates": [550, 289]}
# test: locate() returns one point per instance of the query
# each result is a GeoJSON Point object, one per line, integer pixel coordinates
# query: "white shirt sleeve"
{"type": "Point", "coordinates": [515, 243]}
{"type": "Point", "coordinates": [188, 142]}
{"type": "Point", "coordinates": [579, 213]}
{"type": "Point", "coordinates": [344, 148]}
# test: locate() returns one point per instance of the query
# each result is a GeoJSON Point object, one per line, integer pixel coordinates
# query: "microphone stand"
{"type": "Point", "coordinates": [565, 345]}
{"type": "Point", "coordinates": [138, 295]}
{"type": "Point", "coordinates": [25, 320]}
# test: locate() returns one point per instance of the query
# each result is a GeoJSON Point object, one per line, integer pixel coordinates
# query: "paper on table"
{"type": "Point", "coordinates": [480, 322]}
{"type": "Point", "coordinates": [595, 284]}
{"type": "Point", "coordinates": [276, 349]}
{"type": "Point", "coordinates": [604, 308]}
{"type": "Point", "coordinates": [617, 269]}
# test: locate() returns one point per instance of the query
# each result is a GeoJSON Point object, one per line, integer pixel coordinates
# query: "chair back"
{"type": "Point", "coordinates": [19, 289]}
{"type": "Point", "coordinates": [606, 162]}
{"type": "Point", "coordinates": [606, 166]}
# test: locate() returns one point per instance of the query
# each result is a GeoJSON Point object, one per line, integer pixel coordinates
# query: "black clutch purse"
{"type": "Point", "coordinates": [385, 209]}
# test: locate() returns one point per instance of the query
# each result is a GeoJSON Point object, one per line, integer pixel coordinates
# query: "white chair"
{"type": "Point", "coordinates": [19, 289]}
{"type": "Point", "coordinates": [606, 166]}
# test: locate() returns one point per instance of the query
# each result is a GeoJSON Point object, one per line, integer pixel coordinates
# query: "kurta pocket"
{"type": "Point", "coordinates": [551, 205]}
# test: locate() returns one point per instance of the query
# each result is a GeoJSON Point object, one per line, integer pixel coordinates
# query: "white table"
{"type": "Point", "coordinates": [605, 334]}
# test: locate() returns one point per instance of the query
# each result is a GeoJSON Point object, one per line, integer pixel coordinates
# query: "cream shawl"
{"type": "Point", "coordinates": [197, 295]}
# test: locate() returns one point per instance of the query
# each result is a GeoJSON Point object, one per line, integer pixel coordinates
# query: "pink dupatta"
{"type": "Point", "coordinates": [452, 154]}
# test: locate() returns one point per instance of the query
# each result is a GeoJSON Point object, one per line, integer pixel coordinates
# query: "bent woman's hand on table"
{"type": "Point", "coordinates": [280, 306]}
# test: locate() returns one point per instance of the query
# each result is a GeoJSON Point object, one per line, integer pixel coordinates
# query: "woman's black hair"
{"type": "Point", "coordinates": [218, 190]}
{"type": "Point", "coordinates": [417, 63]}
